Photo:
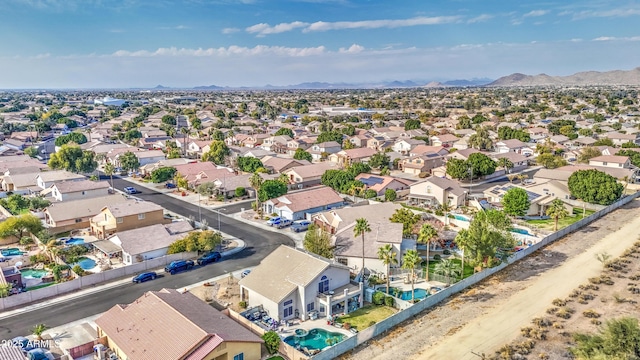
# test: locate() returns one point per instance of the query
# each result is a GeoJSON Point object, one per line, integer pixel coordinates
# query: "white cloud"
{"type": "Point", "coordinates": [177, 27]}
{"type": "Point", "coordinates": [604, 38]}
{"type": "Point", "coordinates": [266, 29]}
{"type": "Point", "coordinates": [230, 30]}
{"type": "Point", "coordinates": [613, 38]}
{"type": "Point", "coordinates": [536, 13]}
{"type": "Point", "coordinates": [609, 13]}
{"type": "Point", "coordinates": [234, 50]}
{"type": "Point", "coordinates": [353, 49]}
{"type": "Point", "coordinates": [480, 18]}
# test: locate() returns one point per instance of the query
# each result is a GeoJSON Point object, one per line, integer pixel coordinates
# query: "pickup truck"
{"type": "Point", "coordinates": [274, 221]}
{"type": "Point", "coordinates": [284, 223]}
{"type": "Point", "coordinates": [299, 226]}
{"type": "Point", "coordinates": [178, 265]}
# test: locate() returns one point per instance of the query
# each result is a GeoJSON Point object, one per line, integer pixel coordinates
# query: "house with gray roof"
{"type": "Point", "coordinates": [81, 189]}
{"type": "Point", "coordinates": [435, 191]}
{"type": "Point", "coordinates": [75, 214]}
{"type": "Point", "coordinates": [292, 283]}
{"type": "Point", "coordinates": [301, 204]}
{"type": "Point", "coordinates": [138, 246]}
{"type": "Point", "coordinates": [45, 179]}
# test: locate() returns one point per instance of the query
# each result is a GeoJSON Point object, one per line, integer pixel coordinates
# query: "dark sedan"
{"type": "Point", "coordinates": [146, 276]}
{"type": "Point", "coordinates": [209, 258]}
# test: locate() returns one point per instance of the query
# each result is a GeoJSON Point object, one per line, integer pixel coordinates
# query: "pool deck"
{"type": "Point", "coordinates": [312, 324]}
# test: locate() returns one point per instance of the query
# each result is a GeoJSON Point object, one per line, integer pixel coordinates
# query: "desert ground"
{"type": "Point", "coordinates": [491, 314]}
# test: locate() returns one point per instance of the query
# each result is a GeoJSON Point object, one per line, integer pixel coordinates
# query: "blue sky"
{"type": "Point", "coordinates": [143, 43]}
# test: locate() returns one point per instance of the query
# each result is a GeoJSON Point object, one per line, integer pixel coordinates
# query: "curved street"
{"type": "Point", "coordinates": [259, 243]}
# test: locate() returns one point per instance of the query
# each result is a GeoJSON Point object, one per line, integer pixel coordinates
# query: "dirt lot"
{"type": "Point", "coordinates": [224, 291]}
{"type": "Point", "coordinates": [491, 314]}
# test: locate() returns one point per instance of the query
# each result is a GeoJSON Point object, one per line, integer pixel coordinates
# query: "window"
{"type": "Point", "coordinates": [140, 216]}
{"type": "Point", "coordinates": [239, 356]}
{"type": "Point", "coordinates": [83, 193]}
{"type": "Point", "coordinates": [323, 285]}
{"type": "Point", "coordinates": [343, 261]}
{"type": "Point", "coordinates": [429, 189]}
{"type": "Point", "coordinates": [310, 307]}
{"type": "Point", "coordinates": [604, 163]}
{"type": "Point", "coordinates": [78, 221]}
{"type": "Point", "coordinates": [288, 311]}
{"type": "Point", "coordinates": [288, 302]}
{"type": "Point", "coordinates": [119, 220]}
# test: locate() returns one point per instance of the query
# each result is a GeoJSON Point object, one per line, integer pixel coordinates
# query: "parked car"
{"type": "Point", "coordinates": [178, 265]}
{"type": "Point", "coordinates": [170, 185]}
{"type": "Point", "coordinates": [245, 273]}
{"type": "Point", "coordinates": [302, 225]}
{"type": "Point", "coordinates": [145, 276]}
{"type": "Point", "coordinates": [130, 190]}
{"type": "Point", "coordinates": [274, 221]}
{"type": "Point", "coordinates": [284, 223]}
{"type": "Point", "coordinates": [209, 258]}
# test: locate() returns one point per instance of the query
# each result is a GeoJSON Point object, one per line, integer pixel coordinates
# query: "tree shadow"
{"type": "Point", "coordinates": [533, 265]}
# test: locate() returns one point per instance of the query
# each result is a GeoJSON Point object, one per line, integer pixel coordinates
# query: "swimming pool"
{"type": "Point", "coordinates": [11, 252]}
{"type": "Point", "coordinates": [406, 295]}
{"type": "Point", "coordinates": [85, 263]}
{"type": "Point", "coordinates": [460, 217]}
{"type": "Point", "coordinates": [315, 339]}
{"type": "Point", "coordinates": [521, 231]}
{"type": "Point", "coordinates": [74, 241]}
{"type": "Point", "coordinates": [33, 273]}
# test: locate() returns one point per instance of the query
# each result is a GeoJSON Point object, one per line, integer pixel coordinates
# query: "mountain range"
{"type": "Point", "coordinates": [611, 78]}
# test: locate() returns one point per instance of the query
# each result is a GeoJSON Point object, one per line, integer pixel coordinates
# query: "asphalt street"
{"type": "Point", "coordinates": [259, 243]}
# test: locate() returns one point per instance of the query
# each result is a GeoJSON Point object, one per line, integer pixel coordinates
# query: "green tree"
{"type": "Point", "coordinates": [74, 137]}
{"type": "Point", "coordinates": [271, 189]}
{"type": "Point", "coordinates": [302, 154]}
{"type": "Point", "coordinates": [361, 227]}
{"type": "Point", "coordinates": [169, 120]}
{"type": "Point", "coordinates": [20, 225]}
{"type": "Point", "coordinates": [109, 170]}
{"type": "Point", "coordinates": [516, 202]}
{"type": "Point", "coordinates": [240, 191]}
{"type": "Point", "coordinates": [358, 168]}
{"type": "Point", "coordinates": [505, 163]}
{"type": "Point", "coordinates": [284, 131]}
{"type": "Point", "coordinates": [426, 236]}
{"type": "Point", "coordinates": [73, 158]}
{"type": "Point", "coordinates": [550, 161]}
{"type": "Point", "coordinates": [32, 151]}
{"type": "Point", "coordinates": [617, 339]}
{"type": "Point", "coordinates": [4, 290]}
{"type": "Point", "coordinates": [481, 140]}
{"type": "Point", "coordinates": [594, 186]}
{"type": "Point", "coordinates": [410, 261]}
{"type": "Point", "coordinates": [390, 195]}
{"type": "Point", "coordinates": [15, 203]}
{"type": "Point", "coordinates": [556, 210]}
{"type": "Point", "coordinates": [256, 183]}
{"type": "Point", "coordinates": [129, 161]}
{"type": "Point", "coordinates": [464, 122]}
{"type": "Point", "coordinates": [407, 218]}
{"type": "Point", "coordinates": [163, 174]}
{"type": "Point", "coordinates": [448, 268]}
{"type": "Point", "coordinates": [249, 164]}
{"type": "Point", "coordinates": [38, 203]}
{"type": "Point", "coordinates": [318, 241]}
{"type": "Point", "coordinates": [379, 160]}
{"type": "Point", "coordinates": [327, 136]}
{"type": "Point", "coordinates": [388, 258]}
{"type": "Point", "coordinates": [271, 341]}
{"type": "Point", "coordinates": [218, 151]}
{"type": "Point", "coordinates": [412, 124]}
{"type": "Point", "coordinates": [481, 164]}
{"type": "Point", "coordinates": [488, 232]}
{"type": "Point", "coordinates": [587, 153]}
{"type": "Point", "coordinates": [457, 168]}
{"type": "Point", "coordinates": [38, 330]}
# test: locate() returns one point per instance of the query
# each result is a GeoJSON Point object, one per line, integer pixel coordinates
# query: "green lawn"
{"type": "Point", "coordinates": [277, 357]}
{"type": "Point", "coordinates": [362, 318]}
{"type": "Point", "coordinates": [562, 223]}
{"type": "Point", "coordinates": [40, 286]}
{"type": "Point", "coordinates": [468, 269]}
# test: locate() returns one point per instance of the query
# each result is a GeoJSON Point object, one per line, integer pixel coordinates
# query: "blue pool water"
{"type": "Point", "coordinates": [460, 217]}
{"type": "Point", "coordinates": [74, 241]}
{"type": "Point", "coordinates": [11, 252]}
{"type": "Point", "coordinates": [33, 273]}
{"type": "Point", "coordinates": [85, 263]}
{"type": "Point", "coordinates": [520, 231]}
{"type": "Point", "coordinates": [315, 339]}
{"type": "Point", "coordinates": [406, 295]}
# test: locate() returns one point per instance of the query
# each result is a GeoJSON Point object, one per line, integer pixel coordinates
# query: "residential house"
{"type": "Point", "coordinates": [619, 139]}
{"type": "Point", "coordinates": [436, 191]}
{"type": "Point", "coordinates": [301, 204]}
{"type": "Point", "coordinates": [149, 168]}
{"type": "Point", "coordinates": [76, 214]}
{"type": "Point", "coordinates": [614, 161]}
{"type": "Point", "coordinates": [278, 144]}
{"type": "Point", "coordinates": [46, 179]}
{"type": "Point", "coordinates": [404, 146]}
{"type": "Point", "coordinates": [323, 150]}
{"type": "Point", "coordinates": [74, 190]}
{"type": "Point", "coordinates": [513, 145]}
{"type": "Point", "coordinates": [446, 140]}
{"type": "Point", "coordinates": [380, 183]}
{"type": "Point", "coordinates": [195, 147]}
{"type": "Point", "coordinates": [359, 140]}
{"type": "Point", "coordinates": [559, 139]}
{"type": "Point", "coordinates": [278, 165]}
{"type": "Point", "coordinates": [291, 283]}
{"type": "Point", "coordinates": [347, 157]}
{"type": "Point", "coordinates": [417, 165]}
{"type": "Point", "coordinates": [22, 180]}
{"type": "Point", "coordinates": [379, 143]}
{"type": "Point", "coordinates": [519, 161]}
{"type": "Point", "coordinates": [126, 216]}
{"type": "Point", "coordinates": [255, 140]}
{"type": "Point", "coordinates": [463, 154]}
{"type": "Point", "coordinates": [584, 141]}
{"type": "Point", "coordinates": [138, 246]}
{"type": "Point", "coordinates": [308, 175]}
{"type": "Point", "coordinates": [202, 172]}
{"type": "Point", "coordinates": [462, 143]}
{"type": "Point", "coordinates": [140, 330]}
{"type": "Point", "coordinates": [540, 195]}
{"type": "Point", "coordinates": [227, 186]}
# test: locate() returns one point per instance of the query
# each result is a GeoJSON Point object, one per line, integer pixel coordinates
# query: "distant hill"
{"type": "Point", "coordinates": [372, 85]}
{"type": "Point", "coordinates": [615, 77]}
{"type": "Point", "coordinates": [210, 87]}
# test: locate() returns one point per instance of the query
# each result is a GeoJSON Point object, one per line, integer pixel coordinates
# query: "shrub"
{"type": "Point", "coordinates": [243, 304]}
{"type": "Point", "coordinates": [564, 312]}
{"type": "Point", "coordinates": [559, 302]}
{"type": "Point", "coordinates": [446, 252]}
{"type": "Point", "coordinates": [378, 298]}
{"type": "Point", "coordinates": [541, 322]}
{"type": "Point", "coordinates": [240, 192]}
{"type": "Point", "coordinates": [592, 314]}
{"type": "Point", "coordinates": [78, 270]}
{"type": "Point", "coordinates": [271, 341]}
{"type": "Point", "coordinates": [389, 301]}
{"type": "Point", "coordinates": [371, 323]}
{"type": "Point", "coordinates": [437, 257]}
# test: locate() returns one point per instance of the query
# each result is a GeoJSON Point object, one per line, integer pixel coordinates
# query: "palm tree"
{"type": "Point", "coordinates": [426, 235]}
{"type": "Point", "coordinates": [355, 188]}
{"type": "Point", "coordinates": [410, 261]}
{"type": "Point", "coordinates": [388, 257]}
{"type": "Point", "coordinates": [448, 268]}
{"type": "Point", "coordinates": [506, 164]}
{"type": "Point", "coordinates": [446, 209]}
{"type": "Point", "coordinates": [480, 140]}
{"type": "Point", "coordinates": [557, 211]}
{"type": "Point", "coordinates": [362, 226]}
{"type": "Point", "coordinates": [522, 178]}
{"type": "Point", "coordinates": [38, 330]}
{"type": "Point", "coordinates": [109, 170]}
{"type": "Point", "coordinates": [184, 131]}
{"type": "Point", "coordinates": [256, 182]}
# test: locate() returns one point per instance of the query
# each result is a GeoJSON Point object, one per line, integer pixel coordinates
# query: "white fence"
{"type": "Point", "coordinates": [392, 321]}
{"type": "Point", "coordinates": [89, 280]}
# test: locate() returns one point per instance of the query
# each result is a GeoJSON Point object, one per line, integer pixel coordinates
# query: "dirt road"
{"type": "Point", "coordinates": [492, 313]}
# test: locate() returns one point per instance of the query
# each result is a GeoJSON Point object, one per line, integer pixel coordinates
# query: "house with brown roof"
{"type": "Point", "coordinates": [126, 216]}
{"type": "Point", "coordinates": [347, 157]}
{"type": "Point", "coordinates": [291, 283]}
{"type": "Point", "coordinates": [301, 204]}
{"type": "Point", "coordinates": [76, 214]}
{"type": "Point", "coordinates": [462, 154]}
{"type": "Point", "coordinates": [138, 246]}
{"type": "Point", "coordinates": [201, 172]}
{"type": "Point", "coordinates": [513, 145]}
{"type": "Point", "coordinates": [425, 163]}
{"type": "Point", "coordinates": [614, 161]}
{"type": "Point", "coordinates": [309, 175]}
{"type": "Point", "coordinates": [81, 189]}
{"type": "Point", "coordinates": [425, 149]}
{"type": "Point", "coordinates": [380, 183]}
{"type": "Point", "coordinates": [278, 164]}
{"type": "Point", "coordinates": [619, 138]}
{"type": "Point", "coordinates": [167, 324]}
{"type": "Point", "coordinates": [445, 140]}
{"type": "Point", "coordinates": [323, 150]}
{"type": "Point", "coordinates": [435, 191]}
{"type": "Point", "coordinates": [519, 161]}
{"type": "Point", "coordinates": [404, 146]}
